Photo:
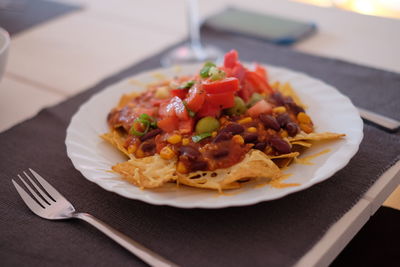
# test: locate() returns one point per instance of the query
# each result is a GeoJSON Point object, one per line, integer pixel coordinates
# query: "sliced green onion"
{"type": "Point", "coordinates": [146, 121]}
{"type": "Point", "coordinates": [204, 72]}
{"type": "Point", "coordinates": [216, 74]}
{"type": "Point", "coordinates": [151, 120]}
{"type": "Point", "coordinates": [146, 124]}
{"type": "Point", "coordinates": [198, 137]}
{"type": "Point", "coordinates": [187, 85]}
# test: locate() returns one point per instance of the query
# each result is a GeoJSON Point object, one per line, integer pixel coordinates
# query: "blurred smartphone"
{"type": "Point", "coordinates": [271, 28]}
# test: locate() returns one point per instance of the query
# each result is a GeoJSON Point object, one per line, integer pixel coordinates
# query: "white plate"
{"type": "Point", "coordinates": [329, 109]}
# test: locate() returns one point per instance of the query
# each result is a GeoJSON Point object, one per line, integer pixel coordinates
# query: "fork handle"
{"type": "Point", "coordinates": [137, 249]}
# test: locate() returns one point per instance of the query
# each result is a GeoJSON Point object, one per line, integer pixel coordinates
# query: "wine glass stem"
{"type": "Point", "coordinates": [194, 27]}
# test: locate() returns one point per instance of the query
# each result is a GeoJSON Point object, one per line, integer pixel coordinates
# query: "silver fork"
{"type": "Point", "coordinates": [50, 204]}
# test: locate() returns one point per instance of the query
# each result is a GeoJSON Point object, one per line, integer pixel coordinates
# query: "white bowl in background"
{"type": "Point", "coordinates": [4, 45]}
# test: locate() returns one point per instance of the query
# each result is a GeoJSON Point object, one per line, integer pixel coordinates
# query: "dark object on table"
{"type": "Point", "coordinates": [377, 243]}
{"type": "Point", "coordinates": [274, 29]}
{"type": "Point", "coordinates": [19, 15]}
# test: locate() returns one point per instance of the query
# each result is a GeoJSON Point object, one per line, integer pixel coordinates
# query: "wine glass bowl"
{"type": "Point", "coordinates": [192, 51]}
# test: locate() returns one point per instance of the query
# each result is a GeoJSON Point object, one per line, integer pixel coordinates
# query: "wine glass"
{"type": "Point", "coordinates": [193, 51]}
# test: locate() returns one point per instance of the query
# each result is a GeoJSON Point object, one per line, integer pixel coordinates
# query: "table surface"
{"type": "Point", "coordinates": [57, 59]}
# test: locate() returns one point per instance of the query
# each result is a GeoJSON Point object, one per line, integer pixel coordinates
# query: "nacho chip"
{"type": "Point", "coordinates": [148, 172]}
{"type": "Point", "coordinates": [287, 90]}
{"type": "Point", "coordinates": [289, 155]}
{"type": "Point", "coordinates": [126, 98]}
{"type": "Point", "coordinates": [116, 139]}
{"type": "Point", "coordinates": [301, 143]}
{"type": "Point", "coordinates": [255, 165]}
{"type": "Point", "coordinates": [316, 136]}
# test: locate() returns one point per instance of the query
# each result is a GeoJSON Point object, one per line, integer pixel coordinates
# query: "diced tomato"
{"type": "Point", "coordinates": [180, 109]}
{"type": "Point", "coordinates": [208, 110]}
{"type": "Point", "coordinates": [148, 111]}
{"type": "Point", "coordinates": [239, 71]}
{"type": "Point", "coordinates": [222, 100]}
{"type": "Point", "coordinates": [166, 110]}
{"type": "Point", "coordinates": [260, 107]}
{"type": "Point", "coordinates": [174, 107]}
{"type": "Point", "coordinates": [157, 102]}
{"type": "Point", "coordinates": [181, 93]}
{"type": "Point", "coordinates": [186, 126]}
{"type": "Point", "coordinates": [230, 59]}
{"type": "Point", "coordinates": [229, 84]}
{"type": "Point", "coordinates": [196, 98]}
{"type": "Point", "coordinates": [168, 124]}
{"type": "Point", "coordinates": [245, 92]}
{"type": "Point", "coordinates": [261, 71]}
{"type": "Point", "coordinates": [258, 83]}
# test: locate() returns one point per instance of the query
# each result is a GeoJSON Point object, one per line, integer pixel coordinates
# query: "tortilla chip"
{"type": "Point", "coordinates": [116, 139]}
{"type": "Point", "coordinates": [287, 90]}
{"type": "Point", "coordinates": [315, 136]}
{"type": "Point", "coordinates": [289, 155]}
{"type": "Point", "coordinates": [283, 162]}
{"type": "Point", "coordinates": [301, 143]}
{"type": "Point", "coordinates": [255, 165]}
{"type": "Point", "coordinates": [148, 172]}
{"type": "Point", "coordinates": [126, 98]}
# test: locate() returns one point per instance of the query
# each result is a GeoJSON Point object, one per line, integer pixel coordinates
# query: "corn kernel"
{"type": "Point", "coordinates": [283, 133]}
{"type": "Point", "coordinates": [245, 120]}
{"type": "Point", "coordinates": [303, 118]}
{"type": "Point", "coordinates": [280, 109]}
{"type": "Point", "coordinates": [174, 139]}
{"type": "Point", "coordinates": [162, 92]}
{"type": "Point", "coordinates": [132, 149]}
{"type": "Point", "coordinates": [222, 120]}
{"type": "Point", "coordinates": [238, 139]}
{"type": "Point", "coordinates": [307, 128]}
{"type": "Point", "coordinates": [185, 141]}
{"type": "Point", "coordinates": [214, 134]}
{"type": "Point", "coordinates": [181, 168]}
{"type": "Point", "coordinates": [139, 153]}
{"type": "Point", "coordinates": [252, 129]}
{"type": "Point", "coordinates": [167, 153]}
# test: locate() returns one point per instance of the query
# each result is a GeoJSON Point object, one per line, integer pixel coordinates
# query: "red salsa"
{"type": "Point", "coordinates": [212, 119]}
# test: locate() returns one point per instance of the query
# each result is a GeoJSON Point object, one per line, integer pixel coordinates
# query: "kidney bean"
{"type": "Point", "coordinates": [221, 153]}
{"type": "Point", "coordinates": [283, 119]}
{"type": "Point", "coordinates": [150, 134]}
{"type": "Point", "coordinates": [233, 128]}
{"type": "Point", "coordinates": [222, 136]}
{"type": "Point", "coordinates": [148, 146]}
{"type": "Point", "coordinates": [292, 128]}
{"type": "Point", "coordinates": [260, 146]}
{"type": "Point", "coordinates": [269, 122]}
{"type": "Point", "coordinates": [294, 107]}
{"type": "Point", "coordinates": [250, 137]}
{"type": "Point", "coordinates": [190, 152]}
{"type": "Point", "coordinates": [278, 98]}
{"type": "Point", "coordinates": [280, 145]}
{"type": "Point", "coordinates": [198, 165]}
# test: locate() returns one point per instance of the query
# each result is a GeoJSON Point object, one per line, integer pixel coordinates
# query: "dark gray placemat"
{"type": "Point", "coordinates": [274, 233]}
{"type": "Point", "coordinates": [19, 15]}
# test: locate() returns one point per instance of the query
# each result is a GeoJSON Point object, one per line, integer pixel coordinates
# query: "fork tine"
{"type": "Point", "coordinates": [38, 199]}
{"type": "Point", "coordinates": [43, 194]}
{"type": "Point", "coordinates": [29, 201]}
{"type": "Point", "coordinates": [54, 194]}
